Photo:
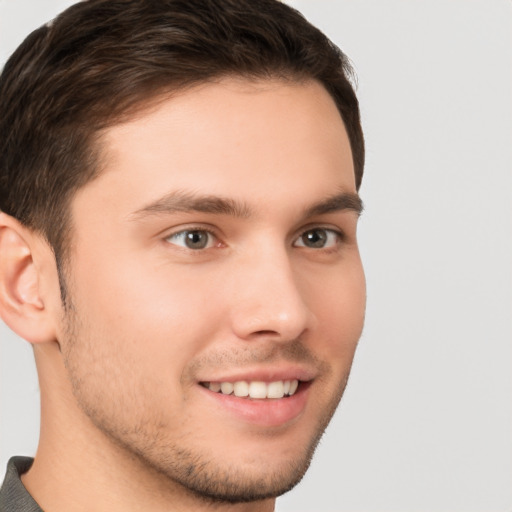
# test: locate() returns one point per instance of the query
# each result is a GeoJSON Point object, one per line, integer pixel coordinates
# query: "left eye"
{"type": "Point", "coordinates": [193, 239]}
{"type": "Point", "coordinates": [318, 238]}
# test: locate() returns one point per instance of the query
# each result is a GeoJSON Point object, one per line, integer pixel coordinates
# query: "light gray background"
{"type": "Point", "coordinates": [426, 423]}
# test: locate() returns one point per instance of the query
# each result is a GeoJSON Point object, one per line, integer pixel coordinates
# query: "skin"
{"type": "Point", "coordinates": [150, 318]}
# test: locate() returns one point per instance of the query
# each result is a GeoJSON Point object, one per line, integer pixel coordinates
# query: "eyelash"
{"type": "Point", "coordinates": [339, 238]}
{"type": "Point", "coordinates": [195, 229]}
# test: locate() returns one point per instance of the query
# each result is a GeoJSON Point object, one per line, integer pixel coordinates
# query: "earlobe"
{"type": "Point", "coordinates": [21, 305]}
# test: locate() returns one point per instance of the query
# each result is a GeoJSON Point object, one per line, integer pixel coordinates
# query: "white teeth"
{"type": "Point", "coordinates": [255, 389]}
{"type": "Point", "coordinates": [275, 389]}
{"type": "Point", "coordinates": [241, 388]}
{"type": "Point", "coordinates": [258, 390]}
{"type": "Point", "coordinates": [226, 388]}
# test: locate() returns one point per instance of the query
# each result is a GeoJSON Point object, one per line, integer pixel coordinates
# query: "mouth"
{"type": "Point", "coordinates": [263, 403]}
{"type": "Point", "coordinates": [255, 390]}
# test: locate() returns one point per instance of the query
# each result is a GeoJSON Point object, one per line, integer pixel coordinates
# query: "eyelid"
{"type": "Point", "coordinates": [339, 233]}
{"type": "Point", "coordinates": [190, 228]}
{"type": "Point", "coordinates": [327, 226]}
{"type": "Point", "coordinates": [168, 232]}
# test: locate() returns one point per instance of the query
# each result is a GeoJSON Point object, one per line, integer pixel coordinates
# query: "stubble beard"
{"type": "Point", "coordinates": [199, 475]}
{"type": "Point", "coordinates": [211, 481]}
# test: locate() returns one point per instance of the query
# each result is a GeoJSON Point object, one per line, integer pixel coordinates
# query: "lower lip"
{"type": "Point", "coordinates": [263, 412]}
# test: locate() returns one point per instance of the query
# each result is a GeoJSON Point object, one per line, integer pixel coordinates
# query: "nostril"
{"type": "Point", "coordinates": [266, 333]}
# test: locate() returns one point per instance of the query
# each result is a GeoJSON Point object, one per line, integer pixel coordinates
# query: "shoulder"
{"type": "Point", "coordinates": [13, 495]}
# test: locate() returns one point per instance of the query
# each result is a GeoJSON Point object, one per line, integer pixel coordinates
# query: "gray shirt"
{"type": "Point", "coordinates": [13, 495]}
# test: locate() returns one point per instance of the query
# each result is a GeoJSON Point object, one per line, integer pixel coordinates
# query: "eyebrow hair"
{"type": "Point", "coordinates": [343, 201]}
{"type": "Point", "coordinates": [180, 201]}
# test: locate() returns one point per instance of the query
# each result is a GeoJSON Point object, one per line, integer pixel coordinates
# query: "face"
{"type": "Point", "coordinates": [217, 294]}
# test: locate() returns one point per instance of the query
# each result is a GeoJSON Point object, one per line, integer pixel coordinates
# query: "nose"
{"type": "Point", "coordinates": [269, 299]}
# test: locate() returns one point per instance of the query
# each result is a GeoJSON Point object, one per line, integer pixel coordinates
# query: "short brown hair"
{"type": "Point", "coordinates": [101, 59]}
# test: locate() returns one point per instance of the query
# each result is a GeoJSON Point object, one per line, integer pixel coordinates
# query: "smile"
{"type": "Point", "coordinates": [272, 403]}
{"type": "Point", "coordinates": [255, 389]}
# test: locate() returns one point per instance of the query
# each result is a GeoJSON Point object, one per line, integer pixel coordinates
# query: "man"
{"type": "Point", "coordinates": [178, 196]}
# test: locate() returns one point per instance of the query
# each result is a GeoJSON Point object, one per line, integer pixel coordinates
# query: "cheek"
{"type": "Point", "coordinates": [133, 334]}
{"type": "Point", "coordinates": [340, 310]}
{"type": "Point", "coordinates": [145, 317]}
{"type": "Point", "coordinates": [144, 295]}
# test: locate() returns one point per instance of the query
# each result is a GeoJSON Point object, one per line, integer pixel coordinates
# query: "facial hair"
{"type": "Point", "coordinates": [199, 474]}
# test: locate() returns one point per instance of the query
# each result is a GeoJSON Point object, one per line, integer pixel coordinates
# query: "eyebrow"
{"type": "Point", "coordinates": [180, 201]}
{"type": "Point", "coordinates": [339, 202]}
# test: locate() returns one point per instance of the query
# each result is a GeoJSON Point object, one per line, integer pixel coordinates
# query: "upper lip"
{"type": "Point", "coordinates": [267, 374]}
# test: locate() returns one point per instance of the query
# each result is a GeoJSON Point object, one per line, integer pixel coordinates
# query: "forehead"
{"type": "Point", "coordinates": [229, 138]}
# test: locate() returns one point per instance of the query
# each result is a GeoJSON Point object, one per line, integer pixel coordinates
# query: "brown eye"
{"type": "Point", "coordinates": [318, 238]}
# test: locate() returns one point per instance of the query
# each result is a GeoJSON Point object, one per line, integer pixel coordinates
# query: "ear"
{"type": "Point", "coordinates": [22, 304]}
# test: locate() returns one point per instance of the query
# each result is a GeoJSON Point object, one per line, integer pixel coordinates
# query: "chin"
{"type": "Point", "coordinates": [263, 469]}
{"type": "Point", "coordinates": [217, 481]}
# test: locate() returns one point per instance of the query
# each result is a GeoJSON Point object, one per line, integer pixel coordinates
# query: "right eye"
{"type": "Point", "coordinates": [195, 239]}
